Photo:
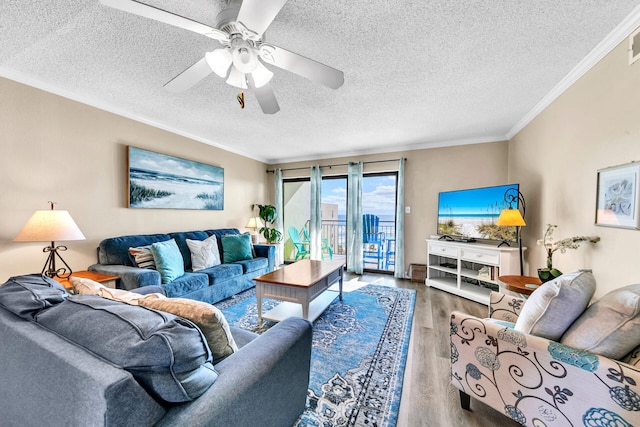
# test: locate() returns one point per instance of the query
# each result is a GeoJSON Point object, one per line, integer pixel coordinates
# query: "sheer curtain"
{"type": "Point", "coordinates": [399, 255]}
{"type": "Point", "coordinates": [354, 218]}
{"type": "Point", "coordinates": [280, 210]}
{"type": "Point", "coordinates": [315, 223]}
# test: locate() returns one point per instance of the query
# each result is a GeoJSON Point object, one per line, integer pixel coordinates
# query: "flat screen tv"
{"type": "Point", "coordinates": [472, 213]}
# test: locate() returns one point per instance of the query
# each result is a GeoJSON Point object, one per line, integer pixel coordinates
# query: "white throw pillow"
{"type": "Point", "coordinates": [204, 253]}
{"type": "Point", "coordinates": [610, 327]}
{"type": "Point", "coordinates": [83, 286]}
{"type": "Point", "coordinates": [554, 306]}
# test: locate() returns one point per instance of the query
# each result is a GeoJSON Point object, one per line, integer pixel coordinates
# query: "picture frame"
{"type": "Point", "coordinates": [160, 181]}
{"type": "Point", "coordinates": [618, 195]}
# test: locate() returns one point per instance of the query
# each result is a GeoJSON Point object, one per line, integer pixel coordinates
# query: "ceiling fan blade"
{"type": "Point", "coordinates": [257, 15]}
{"type": "Point", "coordinates": [189, 77]}
{"type": "Point", "coordinates": [265, 96]}
{"type": "Point", "coordinates": [302, 66]}
{"type": "Point", "coordinates": [151, 12]}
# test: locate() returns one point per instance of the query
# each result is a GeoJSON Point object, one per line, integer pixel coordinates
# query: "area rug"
{"type": "Point", "coordinates": [358, 357]}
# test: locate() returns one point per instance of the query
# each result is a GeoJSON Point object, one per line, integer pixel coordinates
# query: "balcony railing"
{"type": "Point", "coordinates": [335, 231]}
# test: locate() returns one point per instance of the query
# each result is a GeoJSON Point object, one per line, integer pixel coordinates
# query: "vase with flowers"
{"type": "Point", "coordinates": [551, 246]}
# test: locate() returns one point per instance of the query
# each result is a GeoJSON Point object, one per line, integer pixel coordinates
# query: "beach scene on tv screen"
{"type": "Point", "coordinates": [473, 213]}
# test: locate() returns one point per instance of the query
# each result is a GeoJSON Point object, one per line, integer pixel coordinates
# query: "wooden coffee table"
{"type": "Point", "coordinates": [302, 286]}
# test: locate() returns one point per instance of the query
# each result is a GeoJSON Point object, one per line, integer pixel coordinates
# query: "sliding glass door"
{"type": "Point", "coordinates": [297, 193]}
{"type": "Point", "coordinates": [379, 216]}
{"type": "Point", "coordinates": [379, 201]}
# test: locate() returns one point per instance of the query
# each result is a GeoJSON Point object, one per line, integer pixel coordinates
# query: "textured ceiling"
{"type": "Point", "coordinates": [418, 73]}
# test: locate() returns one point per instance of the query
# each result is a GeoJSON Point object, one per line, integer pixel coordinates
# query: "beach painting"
{"type": "Point", "coordinates": [473, 213]}
{"type": "Point", "coordinates": [166, 182]}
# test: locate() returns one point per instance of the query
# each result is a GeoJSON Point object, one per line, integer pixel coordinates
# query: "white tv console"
{"type": "Point", "coordinates": [455, 267]}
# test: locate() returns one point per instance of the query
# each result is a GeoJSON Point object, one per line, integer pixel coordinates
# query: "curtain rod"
{"type": "Point", "coordinates": [341, 164]}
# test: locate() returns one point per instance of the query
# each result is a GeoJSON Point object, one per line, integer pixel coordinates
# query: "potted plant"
{"type": "Point", "coordinates": [268, 214]}
{"type": "Point", "coordinates": [548, 273]}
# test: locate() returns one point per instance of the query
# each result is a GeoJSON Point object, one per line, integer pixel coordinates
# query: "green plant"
{"type": "Point", "coordinates": [552, 246]}
{"type": "Point", "coordinates": [268, 214]}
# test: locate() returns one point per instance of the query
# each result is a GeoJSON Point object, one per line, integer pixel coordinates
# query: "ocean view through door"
{"type": "Point", "coordinates": [378, 201]}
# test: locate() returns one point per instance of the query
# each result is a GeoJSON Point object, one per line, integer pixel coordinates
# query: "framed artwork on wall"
{"type": "Point", "coordinates": [160, 181]}
{"type": "Point", "coordinates": [618, 196]}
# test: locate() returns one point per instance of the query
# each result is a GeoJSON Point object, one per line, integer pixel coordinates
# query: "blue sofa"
{"type": "Point", "coordinates": [49, 378]}
{"type": "Point", "coordinates": [210, 285]}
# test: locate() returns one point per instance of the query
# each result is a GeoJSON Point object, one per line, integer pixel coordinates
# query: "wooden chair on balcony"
{"type": "Point", "coordinates": [325, 243]}
{"type": "Point", "coordinates": [301, 247]}
{"type": "Point", "coordinates": [373, 241]}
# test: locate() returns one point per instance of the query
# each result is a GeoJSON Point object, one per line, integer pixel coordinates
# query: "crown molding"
{"type": "Point", "coordinates": [613, 39]}
{"type": "Point", "coordinates": [391, 149]}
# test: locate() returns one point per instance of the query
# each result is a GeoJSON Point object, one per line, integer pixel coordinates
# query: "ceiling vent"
{"type": "Point", "coordinates": [634, 46]}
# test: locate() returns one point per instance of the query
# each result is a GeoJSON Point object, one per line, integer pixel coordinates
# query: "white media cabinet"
{"type": "Point", "coordinates": [455, 267]}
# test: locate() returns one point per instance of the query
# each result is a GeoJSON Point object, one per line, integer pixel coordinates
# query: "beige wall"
{"type": "Point", "coordinates": [61, 150]}
{"type": "Point", "coordinates": [56, 149]}
{"type": "Point", "coordinates": [427, 172]}
{"type": "Point", "coordinates": [593, 125]}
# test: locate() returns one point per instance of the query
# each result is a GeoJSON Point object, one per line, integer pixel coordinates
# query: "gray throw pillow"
{"type": "Point", "coordinates": [610, 327]}
{"type": "Point", "coordinates": [28, 295]}
{"type": "Point", "coordinates": [554, 306]}
{"type": "Point", "coordinates": [166, 354]}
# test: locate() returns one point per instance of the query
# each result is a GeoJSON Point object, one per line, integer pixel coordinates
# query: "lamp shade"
{"type": "Point", "coordinates": [254, 222]}
{"type": "Point", "coordinates": [510, 218]}
{"type": "Point", "coordinates": [49, 226]}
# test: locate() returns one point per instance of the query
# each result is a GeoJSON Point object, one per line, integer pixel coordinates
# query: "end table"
{"type": "Point", "coordinates": [105, 279]}
{"type": "Point", "coordinates": [521, 285]}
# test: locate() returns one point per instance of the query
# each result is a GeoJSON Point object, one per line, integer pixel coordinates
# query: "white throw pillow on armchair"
{"type": "Point", "coordinates": [555, 305]}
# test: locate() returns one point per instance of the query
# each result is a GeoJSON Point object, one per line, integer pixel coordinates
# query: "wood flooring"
{"type": "Point", "coordinates": [428, 398]}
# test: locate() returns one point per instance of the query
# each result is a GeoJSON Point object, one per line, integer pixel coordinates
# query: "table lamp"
{"type": "Point", "coordinates": [511, 217]}
{"type": "Point", "coordinates": [51, 226]}
{"type": "Point", "coordinates": [254, 224]}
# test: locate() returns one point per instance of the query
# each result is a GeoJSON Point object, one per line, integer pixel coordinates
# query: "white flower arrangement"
{"type": "Point", "coordinates": [552, 246]}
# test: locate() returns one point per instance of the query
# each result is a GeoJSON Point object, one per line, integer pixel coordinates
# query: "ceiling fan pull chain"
{"type": "Point", "coordinates": [240, 99]}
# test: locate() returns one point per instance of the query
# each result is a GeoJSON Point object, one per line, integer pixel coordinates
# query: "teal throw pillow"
{"type": "Point", "coordinates": [168, 258]}
{"type": "Point", "coordinates": [236, 247]}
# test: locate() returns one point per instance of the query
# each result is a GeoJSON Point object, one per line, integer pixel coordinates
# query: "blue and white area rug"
{"type": "Point", "coordinates": [358, 357]}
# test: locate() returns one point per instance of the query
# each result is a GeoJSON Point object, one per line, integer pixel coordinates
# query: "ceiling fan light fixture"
{"type": "Point", "coordinates": [244, 55]}
{"type": "Point", "coordinates": [237, 79]}
{"type": "Point", "coordinates": [219, 60]}
{"type": "Point", "coordinates": [245, 59]}
{"type": "Point", "coordinates": [261, 75]}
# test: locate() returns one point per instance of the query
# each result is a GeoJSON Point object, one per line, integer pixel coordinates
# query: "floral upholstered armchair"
{"type": "Point", "coordinates": [537, 381]}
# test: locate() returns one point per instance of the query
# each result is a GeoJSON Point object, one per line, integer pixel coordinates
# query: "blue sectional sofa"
{"type": "Point", "coordinates": [62, 365]}
{"type": "Point", "coordinates": [209, 285]}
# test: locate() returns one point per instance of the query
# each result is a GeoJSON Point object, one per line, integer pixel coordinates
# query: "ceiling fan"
{"type": "Point", "coordinates": [240, 31]}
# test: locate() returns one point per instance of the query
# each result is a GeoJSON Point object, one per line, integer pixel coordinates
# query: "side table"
{"type": "Point", "coordinates": [521, 285]}
{"type": "Point", "coordinates": [105, 279]}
